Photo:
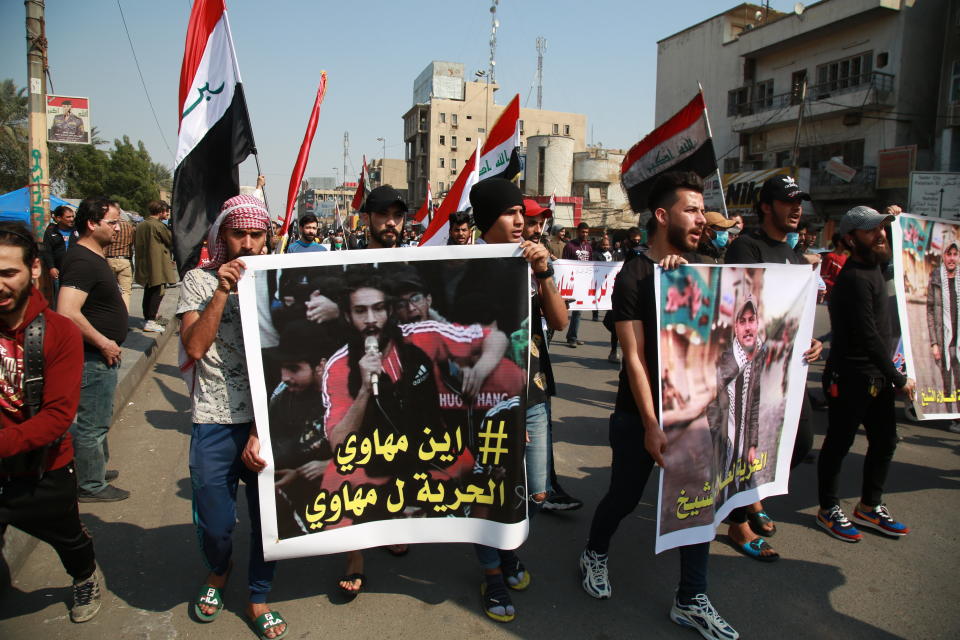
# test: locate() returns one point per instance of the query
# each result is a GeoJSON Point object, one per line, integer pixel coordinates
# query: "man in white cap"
{"type": "Point", "coordinates": [860, 380]}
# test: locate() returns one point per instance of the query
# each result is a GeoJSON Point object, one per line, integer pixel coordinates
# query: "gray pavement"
{"type": "Point", "coordinates": [821, 588]}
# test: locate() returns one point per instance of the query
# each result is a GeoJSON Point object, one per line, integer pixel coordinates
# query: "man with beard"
{"type": "Point", "coordinates": [224, 446]}
{"type": "Point", "coordinates": [637, 441]}
{"type": "Point", "coordinates": [943, 308]}
{"type": "Point", "coordinates": [383, 213]}
{"type": "Point", "coordinates": [38, 487]}
{"type": "Point", "coordinates": [89, 295]}
{"type": "Point", "coordinates": [734, 419]}
{"type": "Point", "coordinates": [308, 236]}
{"type": "Point", "coordinates": [779, 207]}
{"type": "Point", "coordinates": [459, 228]}
{"type": "Point", "coordinates": [579, 249]}
{"type": "Point", "coordinates": [860, 380]}
{"type": "Point", "coordinates": [58, 237]}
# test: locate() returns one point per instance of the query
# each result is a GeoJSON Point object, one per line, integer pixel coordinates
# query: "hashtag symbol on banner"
{"type": "Point", "coordinates": [498, 436]}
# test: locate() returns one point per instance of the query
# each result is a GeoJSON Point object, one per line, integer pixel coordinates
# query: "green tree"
{"type": "Point", "coordinates": [14, 170]}
{"type": "Point", "coordinates": [129, 178]}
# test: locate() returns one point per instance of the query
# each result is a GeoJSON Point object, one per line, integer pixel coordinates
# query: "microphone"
{"type": "Point", "coordinates": [372, 346]}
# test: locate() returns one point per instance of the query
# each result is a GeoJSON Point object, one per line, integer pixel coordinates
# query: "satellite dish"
{"type": "Point", "coordinates": [799, 8]}
{"type": "Point", "coordinates": [758, 16]}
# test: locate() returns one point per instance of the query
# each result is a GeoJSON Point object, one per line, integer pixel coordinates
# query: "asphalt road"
{"type": "Point", "coordinates": [821, 587]}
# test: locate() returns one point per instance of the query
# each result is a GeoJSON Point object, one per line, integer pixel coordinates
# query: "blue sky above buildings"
{"type": "Point", "coordinates": [601, 61]}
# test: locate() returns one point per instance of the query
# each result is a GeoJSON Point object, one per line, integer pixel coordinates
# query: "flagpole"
{"type": "Point", "coordinates": [706, 113]}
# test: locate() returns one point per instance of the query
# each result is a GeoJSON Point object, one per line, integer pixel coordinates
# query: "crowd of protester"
{"type": "Point", "coordinates": [53, 446]}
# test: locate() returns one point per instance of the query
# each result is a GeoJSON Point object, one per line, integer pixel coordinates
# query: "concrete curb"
{"type": "Point", "coordinates": [140, 351]}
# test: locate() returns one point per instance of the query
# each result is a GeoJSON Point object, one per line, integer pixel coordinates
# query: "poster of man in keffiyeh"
{"type": "Point", "coordinates": [389, 389]}
{"type": "Point", "coordinates": [926, 253]}
{"type": "Point", "coordinates": [732, 379]}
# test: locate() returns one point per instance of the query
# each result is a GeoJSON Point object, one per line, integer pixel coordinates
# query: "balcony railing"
{"type": "Point", "coordinates": [882, 82]}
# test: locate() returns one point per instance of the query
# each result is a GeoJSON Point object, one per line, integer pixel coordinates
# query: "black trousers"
{"type": "Point", "coordinates": [860, 399]}
{"type": "Point", "coordinates": [629, 473]}
{"type": "Point", "coordinates": [152, 297]}
{"type": "Point", "coordinates": [46, 508]}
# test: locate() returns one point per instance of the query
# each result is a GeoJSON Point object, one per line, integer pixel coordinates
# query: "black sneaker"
{"type": "Point", "coordinates": [86, 598]}
{"type": "Point", "coordinates": [109, 493]}
{"type": "Point", "coordinates": [559, 500]}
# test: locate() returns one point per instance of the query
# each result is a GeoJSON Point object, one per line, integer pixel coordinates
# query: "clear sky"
{"type": "Point", "coordinates": [601, 60]}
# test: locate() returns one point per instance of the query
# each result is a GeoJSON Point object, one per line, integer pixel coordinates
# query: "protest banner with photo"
{"type": "Point", "coordinates": [389, 389]}
{"type": "Point", "coordinates": [732, 379]}
{"type": "Point", "coordinates": [68, 120]}
{"type": "Point", "coordinates": [926, 252]}
{"type": "Point", "coordinates": [588, 284]}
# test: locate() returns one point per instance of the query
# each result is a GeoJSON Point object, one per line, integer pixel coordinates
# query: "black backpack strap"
{"type": "Point", "coordinates": [33, 365]}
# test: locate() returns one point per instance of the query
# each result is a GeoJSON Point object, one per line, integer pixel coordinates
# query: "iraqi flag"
{"type": "Point", "coordinates": [500, 158]}
{"type": "Point", "coordinates": [427, 207]}
{"type": "Point", "coordinates": [361, 193]}
{"type": "Point", "coordinates": [682, 143]}
{"type": "Point", "coordinates": [215, 132]}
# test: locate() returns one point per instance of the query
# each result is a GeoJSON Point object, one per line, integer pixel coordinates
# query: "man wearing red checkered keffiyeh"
{"type": "Point", "coordinates": [239, 212]}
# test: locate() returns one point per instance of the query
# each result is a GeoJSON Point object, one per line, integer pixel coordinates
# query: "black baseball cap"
{"type": "Point", "coordinates": [380, 199]}
{"type": "Point", "coordinates": [783, 188]}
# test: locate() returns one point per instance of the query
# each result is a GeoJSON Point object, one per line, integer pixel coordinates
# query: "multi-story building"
{"type": "Point", "coordinates": [948, 112]}
{"type": "Point", "coordinates": [834, 87]}
{"type": "Point", "coordinates": [448, 118]}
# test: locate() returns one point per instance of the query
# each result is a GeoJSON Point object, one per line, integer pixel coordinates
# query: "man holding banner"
{"type": "Point", "coordinates": [637, 441]}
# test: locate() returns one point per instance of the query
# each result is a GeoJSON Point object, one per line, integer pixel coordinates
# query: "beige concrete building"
{"type": "Point", "coordinates": [871, 70]}
{"type": "Point", "coordinates": [448, 118]}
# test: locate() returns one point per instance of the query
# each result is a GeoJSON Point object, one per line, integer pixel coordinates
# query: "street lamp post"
{"type": "Point", "coordinates": [383, 158]}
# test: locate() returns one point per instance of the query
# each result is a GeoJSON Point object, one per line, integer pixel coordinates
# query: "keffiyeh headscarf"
{"type": "Point", "coordinates": [239, 212]}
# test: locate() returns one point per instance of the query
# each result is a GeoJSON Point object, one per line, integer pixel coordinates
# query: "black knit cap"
{"type": "Point", "coordinates": [490, 198]}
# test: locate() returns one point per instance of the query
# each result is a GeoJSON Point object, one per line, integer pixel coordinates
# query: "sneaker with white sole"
{"type": "Point", "coordinates": [701, 615]}
{"type": "Point", "coordinates": [152, 326]}
{"type": "Point", "coordinates": [595, 578]}
{"type": "Point", "coordinates": [835, 522]}
{"type": "Point", "coordinates": [879, 519]}
{"type": "Point", "coordinates": [86, 598]}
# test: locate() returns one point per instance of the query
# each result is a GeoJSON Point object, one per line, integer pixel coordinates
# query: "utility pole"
{"type": "Point", "coordinates": [383, 158]}
{"type": "Point", "coordinates": [38, 161]}
{"type": "Point", "coordinates": [541, 47]}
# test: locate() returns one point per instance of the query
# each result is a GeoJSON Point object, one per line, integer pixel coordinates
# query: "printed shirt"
{"type": "Point", "coordinates": [11, 376]}
{"type": "Point", "coordinates": [221, 393]}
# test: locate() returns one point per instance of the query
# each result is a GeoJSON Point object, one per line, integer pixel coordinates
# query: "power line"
{"type": "Point", "coordinates": [144, 83]}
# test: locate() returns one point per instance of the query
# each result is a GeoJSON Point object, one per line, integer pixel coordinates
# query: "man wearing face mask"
{"type": "Point", "coordinates": [714, 242]}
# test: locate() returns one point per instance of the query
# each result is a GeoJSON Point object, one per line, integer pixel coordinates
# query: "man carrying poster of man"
{"type": "Point", "coordinates": [943, 310]}
{"type": "Point", "coordinates": [636, 439]}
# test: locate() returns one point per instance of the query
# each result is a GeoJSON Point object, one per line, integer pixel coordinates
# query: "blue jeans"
{"type": "Point", "coordinates": [574, 329]}
{"type": "Point", "coordinates": [537, 458]}
{"type": "Point", "coordinates": [89, 429]}
{"type": "Point", "coordinates": [215, 473]}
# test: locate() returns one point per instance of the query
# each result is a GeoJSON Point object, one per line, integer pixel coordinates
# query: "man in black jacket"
{"type": "Point", "coordinates": [860, 380]}
{"type": "Point", "coordinates": [58, 237]}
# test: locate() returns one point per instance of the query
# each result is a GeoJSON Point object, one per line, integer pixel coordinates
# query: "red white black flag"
{"type": "Point", "coordinates": [215, 133]}
{"type": "Point", "coordinates": [682, 143]}
{"type": "Point", "coordinates": [500, 158]}
{"type": "Point", "coordinates": [361, 193]}
{"type": "Point", "coordinates": [424, 212]}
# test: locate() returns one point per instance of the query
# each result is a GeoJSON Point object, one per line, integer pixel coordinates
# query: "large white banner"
{"type": "Point", "coordinates": [588, 285]}
{"type": "Point", "coordinates": [732, 379]}
{"type": "Point", "coordinates": [390, 403]}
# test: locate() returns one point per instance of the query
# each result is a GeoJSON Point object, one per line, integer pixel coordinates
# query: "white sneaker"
{"type": "Point", "coordinates": [86, 598]}
{"type": "Point", "coordinates": [954, 427]}
{"type": "Point", "coordinates": [593, 571]}
{"type": "Point", "coordinates": [701, 615]}
{"type": "Point", "coordinates": [152, 326]}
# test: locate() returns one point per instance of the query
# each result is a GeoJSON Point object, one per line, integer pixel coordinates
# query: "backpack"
{"type": "Point", "coordinates": [35, 460]}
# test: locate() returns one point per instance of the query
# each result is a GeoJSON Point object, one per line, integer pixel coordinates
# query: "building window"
{"type": "Point", "coordinates": [955, 83]}
{"type": "Point", "coordinates": [797, 81]}
{"type": "Point", "coordinates": [882, 60]}
{"type": "Point", "coordinates": [443, 140]}
{"type": "Point", "coordinates": [469, 139]}
{"type": "Point", "coordinates": [566, 129]}
{"type": "Point", "coordinates": [441, 161]}
{"type": "Point", "coordinates": [731, 165]}
{"type": "Point", "coordinates": [453, 141]}
{"type": "Point", "coordinates": [443, 118]}
{"type": "Point", "coordinates": [738, 102]}
{"type": "Point", "coordinates": [453, 163]}
{"type": "Point", "coordinates": [521, 126]}
{"type": "Point", "coordinates": [453, 119]}
{"type": "Point", "coordinates": [441, 187]}
{"type": "Point", "coordinates": [843, 74]}
{"type": "Point", "coordinates": [556, 129]}
{"type": "Point", "coordinates": [763, 94]}
{"type": "Point", "coordinates": [481, 130]}
{"type": "Point", "coordinates": [469, 117]}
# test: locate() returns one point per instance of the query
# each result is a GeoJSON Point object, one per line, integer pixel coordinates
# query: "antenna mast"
{"type": "Point", "coordinates": [541, 47]}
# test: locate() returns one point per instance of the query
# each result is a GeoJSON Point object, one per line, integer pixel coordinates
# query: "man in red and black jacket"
{"type": "Point", "coordinates": [38, 486]}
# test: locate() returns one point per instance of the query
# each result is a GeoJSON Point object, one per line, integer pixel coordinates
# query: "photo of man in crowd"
{"type": "Point", "coordinates": [943, 309]}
